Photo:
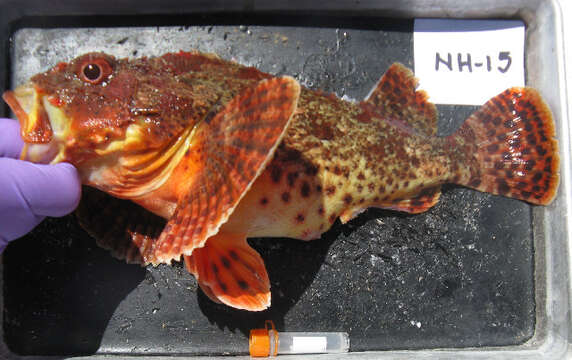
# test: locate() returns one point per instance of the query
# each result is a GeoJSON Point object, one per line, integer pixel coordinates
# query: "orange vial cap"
{"type": "Point", "coordinates": [262, 341]}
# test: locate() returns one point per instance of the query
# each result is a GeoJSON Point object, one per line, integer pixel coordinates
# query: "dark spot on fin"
{"type": "Point", "coordinates": [241, 281]}
{"type": "Point", "coordinates": [225, 262]}
{"type": "Point", "coordinates": [242, 284]}
{"type": "Point", "coordinates": [522, 163]}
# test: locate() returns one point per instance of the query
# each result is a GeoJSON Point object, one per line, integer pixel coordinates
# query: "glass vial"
{"type": "Point", "coordinates": [268, 342]}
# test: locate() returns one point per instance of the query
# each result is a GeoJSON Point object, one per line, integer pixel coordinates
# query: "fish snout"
{"type": "Point", "coordinates": [26, 103]}
{"type": "Point", "coordinates": [35, 124]}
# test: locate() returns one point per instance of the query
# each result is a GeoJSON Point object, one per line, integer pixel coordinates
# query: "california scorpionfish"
{"type": "Point", "coordinates": [222, 152]}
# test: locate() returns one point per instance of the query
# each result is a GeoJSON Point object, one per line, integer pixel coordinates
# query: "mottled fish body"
{"type": "Point", "coordinates": [224, 152]}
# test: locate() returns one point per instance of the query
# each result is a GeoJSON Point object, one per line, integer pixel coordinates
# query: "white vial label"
{"type": "Point", "coordinates": [309, 344]}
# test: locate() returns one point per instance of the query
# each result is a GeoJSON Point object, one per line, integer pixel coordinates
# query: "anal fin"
{"type": "Point", "coordinates": [422, 202]}
{"type": "Point", "coordinates": [419, 203]}
{"type": "Point", "coordinates": [229, 271]}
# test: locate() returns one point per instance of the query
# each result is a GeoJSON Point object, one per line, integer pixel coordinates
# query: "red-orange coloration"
{"type": "Point", "coordinates": [201, 153]}
{"type": "Point", "coordinates": [231, 272]}
{"type": "Point", "coordinates": [35, 129]}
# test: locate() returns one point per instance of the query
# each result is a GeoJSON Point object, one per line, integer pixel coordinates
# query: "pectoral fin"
{"type": "Point", "coordinates": [228, 152]}
{"type": "Point", "coordinates": [127, 230]}
{"type": "Point", "coordinates": [229, 271]}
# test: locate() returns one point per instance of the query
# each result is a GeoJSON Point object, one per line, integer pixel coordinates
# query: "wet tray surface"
{"type": "Point", "coordinates": [459, 275]}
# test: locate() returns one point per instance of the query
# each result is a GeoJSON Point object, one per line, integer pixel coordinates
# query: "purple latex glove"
{"type": "Point", "coordinates": [29, 192]}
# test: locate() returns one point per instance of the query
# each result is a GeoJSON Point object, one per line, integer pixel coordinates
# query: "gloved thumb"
{"type": "Point", "coordinates": [48, 190]}
{"type": "Point", "coordinates": [29, 192]}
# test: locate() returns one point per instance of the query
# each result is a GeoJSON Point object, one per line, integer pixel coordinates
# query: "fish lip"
{"type": "Point", "coordinates": [14, 104]}
{"type": "Point", "coordinates": [35, 124]}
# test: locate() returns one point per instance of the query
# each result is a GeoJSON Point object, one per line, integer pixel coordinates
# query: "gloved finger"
{"type": "Point", "coordinates": [17, 224]}
{"type": "Point", "coordinates": [17, 218]}
{"type": "Point", "coordinates": [44, 190]}
{"type": "Point", "coordinates": [11, 142]}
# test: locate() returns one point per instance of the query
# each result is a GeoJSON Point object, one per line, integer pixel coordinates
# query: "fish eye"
{"type": "Point", "coordinates": [92, 72]}
{"type": "Point", "coordinates": [95, 71]}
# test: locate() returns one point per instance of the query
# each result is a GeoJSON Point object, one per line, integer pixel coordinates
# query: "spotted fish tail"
{"type": "Point", "coordinates": [511, 146]}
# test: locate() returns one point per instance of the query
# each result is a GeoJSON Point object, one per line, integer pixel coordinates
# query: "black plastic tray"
{"type": "Point", "coordinates": [460, 275]}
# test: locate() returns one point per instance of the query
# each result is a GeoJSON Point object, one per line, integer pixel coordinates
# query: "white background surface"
{"type": "Point", "coordinates": [483, 41]}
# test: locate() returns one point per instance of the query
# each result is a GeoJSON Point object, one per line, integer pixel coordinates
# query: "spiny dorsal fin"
{"type": "Point", "coordinates": [394, 97]}
{"type": "Point", "coordinates": [120, 226]}
{"type": "Point", "coordinates": [229, 271]}
{"type": "Point", "coordinates": [228, 152]}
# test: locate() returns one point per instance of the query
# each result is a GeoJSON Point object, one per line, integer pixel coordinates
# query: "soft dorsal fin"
{"type": "Point", "coordinates": [394, 97]}
{"type": "Point", "coordinates": [229, 271]}
{"type": "Point", "coordinates": [228, 151]}
{"type": "Point", "coordinates": [124, 228]}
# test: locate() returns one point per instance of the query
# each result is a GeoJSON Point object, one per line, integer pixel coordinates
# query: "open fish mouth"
{"type": "Point", "coordinates": [42, 124]}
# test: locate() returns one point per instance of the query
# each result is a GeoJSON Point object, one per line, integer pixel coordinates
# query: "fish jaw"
{"type": "Point", "coordinates": [43, 125]}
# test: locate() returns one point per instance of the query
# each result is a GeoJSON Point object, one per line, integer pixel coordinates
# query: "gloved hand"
{"type": "Point", "coordinates": [29, 192]}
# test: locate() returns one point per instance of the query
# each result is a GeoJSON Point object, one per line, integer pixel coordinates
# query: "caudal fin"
{"type": "Point", "coordinates": [516, 154]}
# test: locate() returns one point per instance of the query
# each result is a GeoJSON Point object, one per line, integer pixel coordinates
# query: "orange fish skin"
{"type": "Point", "coordinates": [339, 158]}
{"type": "Point", "coordinates": [224, 152]}
{"type": "Point", "coordinates": [163, 96]}
{"type": "Point", "coordinates": [327, 166]}
{"type": "Point", "coordinates": [336, 159]}
{"type": "Point", "coordinates": [331, 164]}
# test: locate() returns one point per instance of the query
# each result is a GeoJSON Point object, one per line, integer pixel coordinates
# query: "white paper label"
{"type": "Point", "coordinates": [467, 62]}
{"type": "Point", "coordinates": [309, 344]}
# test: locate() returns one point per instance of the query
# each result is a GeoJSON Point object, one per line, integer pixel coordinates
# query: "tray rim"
{"type": "Point", "coordinates": [551, 228]}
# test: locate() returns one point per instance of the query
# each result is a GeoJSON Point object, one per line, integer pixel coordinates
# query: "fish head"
{"type": "Point", "coordinates": [101, 114]}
